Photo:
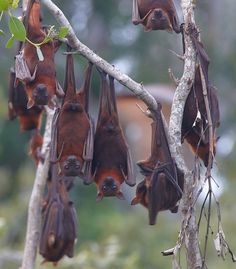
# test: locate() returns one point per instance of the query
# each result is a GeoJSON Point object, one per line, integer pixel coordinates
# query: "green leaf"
{"type": "Point", "coordinates": [10, 42]}
{"type": "Point", "coordinates": [2, 33]}
{"type": "Point", "coordinates": [63, 31]}
{"type": "Point", "coordinates": [15, 4]}
{"type": "Point", "coordinates": [4, 5]}
{"type": "Point", "coordinates": [40, 54]}
{"type": "Point", "coordinates": [17, 28]}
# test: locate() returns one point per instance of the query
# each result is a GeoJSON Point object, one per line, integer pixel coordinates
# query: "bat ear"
{"type": "Point", "coordinates": [30, 103]}
{"type": "Point", "coordinates": [99, 197]}
{"type": "Point", "coordinates": [120, 195]}
{"type": "Point", "coordinates": [135, 201]}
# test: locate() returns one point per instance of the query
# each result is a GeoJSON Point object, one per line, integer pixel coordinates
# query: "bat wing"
{"type": "Point", "coordinates": [22, 69]}
{"type": "Point", "coordinates": [53, 146]}
{"type": "Point", "coordinates": [130, 179]}
{"type": "Point", "coordinates": [135, 13]}
{"type": "Point", "coordinates": [88, 155]}
{"type": "Point", "coordinates": [11, 92]}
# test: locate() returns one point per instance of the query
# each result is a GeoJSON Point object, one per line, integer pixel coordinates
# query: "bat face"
{"type": "Point", "coordinates": [71, 166]}
{"type": "Point", "coordinates": [109, 184]}
{"type": "Point", "coordinates": [40, 95]}
{"type": "Point", "coordinates": [158, 20]}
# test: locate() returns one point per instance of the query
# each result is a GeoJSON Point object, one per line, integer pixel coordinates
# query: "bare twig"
{"type": "Point", "coordinates": [34, 211]}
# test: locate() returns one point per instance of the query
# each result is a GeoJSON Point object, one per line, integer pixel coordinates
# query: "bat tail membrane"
{"type": "Point", "coordinates": [85, 89]}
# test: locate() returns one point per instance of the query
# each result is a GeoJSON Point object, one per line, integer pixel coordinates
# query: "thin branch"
{"type": "Point", "coordinates": [136, 88]}
{"type": "Point", "coordinates": [34, 210]}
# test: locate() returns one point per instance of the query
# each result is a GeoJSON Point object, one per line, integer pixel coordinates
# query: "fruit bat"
{"type": "Point", "coordinates": [112, 163]}
{"type": "Point", "coordinates": [35, 146]}
{"type": "Point", "coordinates": [156, 15]}
{"type": "Point", "coordinates": [38, 75]}
{"type": "Point", "coordinates": [29, 119]}
{"type": "Point", "coordinates": [195, 127]}
{"type": "Point", "coordinates": [73, 130]}
{"type": "Point", "coordinates": [59, 229]}
{"type": "Point", "coordinates": [162, 186]}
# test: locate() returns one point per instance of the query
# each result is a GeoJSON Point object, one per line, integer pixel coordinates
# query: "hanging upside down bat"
{"type": "Point", "coordinates": [112, 163]}
{"type": "Point", "coordinates": [156, 15]}
{"type": "Point", "coordinates": [39, 76]}
{"type": "Point", "coordinates": [163, 184]}
{"type": "Point", "coordinates": [59, 229]}
{"type": "Point", "coordinates": [29, 119]}
{"type": "Point", "coordinates": [195, 125]}
{"type": "Point", "coordinates": [73, 130]}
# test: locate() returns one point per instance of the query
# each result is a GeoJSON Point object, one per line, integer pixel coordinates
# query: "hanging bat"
{"type": "Point", "coordinates": [73, 128]}
{"type": "Point", "coordinates": [162, 186]}
{"type": "Point", "coordinates": [39, 76]}
{"type": "Point", "coordinates": [195, 127]}
{"type": "Point", "coordinates": [112, 163]}
{"type": "Point", "coordinates": [59, 229]}
{"type": "Point", "coordinates": [29, 119]}
{"type": "Point", "coordinates": [35, 146]}
{"type": "Point", "coordinates": [156, 15]}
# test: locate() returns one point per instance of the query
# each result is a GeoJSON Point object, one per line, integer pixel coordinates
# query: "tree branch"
{"type": "Point", "coordinates": [136, 88]}
{"type": "Point", "coordinates": [34, 210]}
{"type": "Point", "coordinates": [189, 230]}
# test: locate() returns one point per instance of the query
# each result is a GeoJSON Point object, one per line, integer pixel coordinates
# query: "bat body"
{"type": "Point", "coordinates": [73, 128]}
{"type": "Point", "coordinates": [156, 15]}
{"type": "Point", "coordinates": [112, 164]}
{"type": "Point", "coordinates": [39, 76]}
{"type": "Point", "coordinates": [162, 186]}
{"type": "Point", "coordinates": [35, 146]}
{"type": "Point", "coordinates": [59, 230]}
{"type": "Point", "coordinates": [195, 126]}
{"type": "Point", "coordinates": [29, 119]}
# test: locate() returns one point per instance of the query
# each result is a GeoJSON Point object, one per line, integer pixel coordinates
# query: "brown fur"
{"type": "Point", "coordinates": [156, 15]}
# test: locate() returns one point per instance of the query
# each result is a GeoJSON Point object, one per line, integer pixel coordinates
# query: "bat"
{"type": "Point", "coordinates": [59, 229]}
{"type": "Point", "coordinates": [112, 163]}
{"type": "Point", "coordinates": [73, 129]}
{"type": "Point", "coordinates": [195, 127]}
{"type": "Point", "coordinates": [29, 119]}
{"type": "Point", "coordinates": [156, 15]}
{"type": "Point", "coordinates": [162, 186]}
{"type": "Point", "coordinates": [35, 146]}
{"type": "Point", "coordinates": [38, 76]}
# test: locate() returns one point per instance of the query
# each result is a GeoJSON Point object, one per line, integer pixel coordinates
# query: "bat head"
{"type": "Point", "coordinates": [109, 186]}
{"type": "Point", "coordinates": [40, 95]}
{"type": "Point", "coordinates": [158, 19]}
{"type": "Point", "coordinates": [141, 195]}
{"type": "Point", "coordinates": [71, 166]}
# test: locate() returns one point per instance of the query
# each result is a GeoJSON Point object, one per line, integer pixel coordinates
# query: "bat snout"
{"type": "Point", "coordinates": [40, 95]}
{"type": "Point", "coordinates": [71, 166]}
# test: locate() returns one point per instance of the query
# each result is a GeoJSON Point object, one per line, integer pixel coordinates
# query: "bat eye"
{"type": "Point", "coordinates": [114, 187]}
{"type": "Point", "coordinates": [104, 188]}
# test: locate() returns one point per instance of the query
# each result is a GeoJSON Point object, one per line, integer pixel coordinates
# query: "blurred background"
{"type": "Point", "coordinates": [112, 234]}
